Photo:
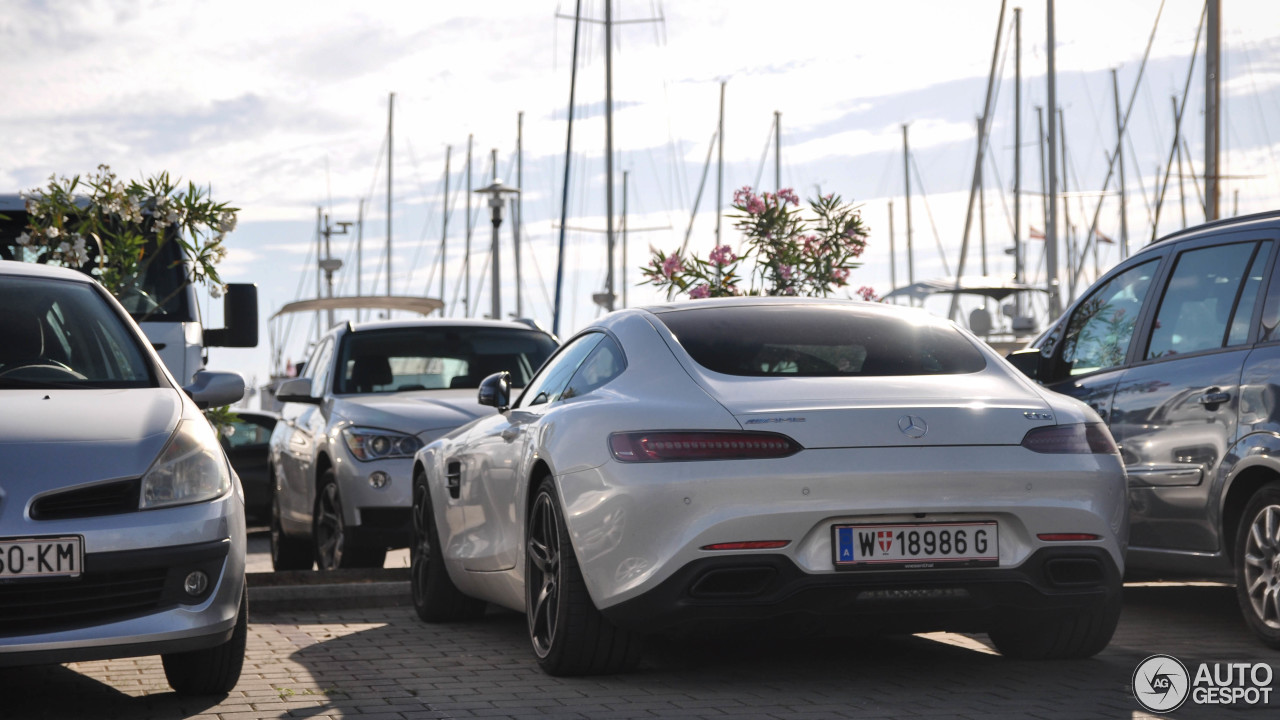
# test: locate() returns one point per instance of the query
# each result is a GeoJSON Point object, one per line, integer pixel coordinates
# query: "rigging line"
{"type": "Point", "coordinates": [1097, 125]}
{"type": "Point", "coordinates": [537, 269]}
{"type": "Point", "coordinates": [1142, 186]}
{"type": "Point", "coordinates": [1004, 204]}
{"type": "Point", "coordinates": [1124, 124]}
{"type": "Point", "coordinates": [426, 223]}
{"type": "Point", "coordinates": [1262, 118]}
{"type": "Point", "coordinates": [1177, 125]}
{"type": "Point", "coordinates": [924, 193]}
{"type": "Point", "coordinates": [764, 155]}
{"type": "Point", "coordinates": [1195, 179]}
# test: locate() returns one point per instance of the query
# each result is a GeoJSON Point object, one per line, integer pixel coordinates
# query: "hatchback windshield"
{"type": "Point", "coordinates": [55, 333]}
{"type": "Point", "coordinates": [819, 341]}
{"type": "Point", "coordinates": [430, 358]}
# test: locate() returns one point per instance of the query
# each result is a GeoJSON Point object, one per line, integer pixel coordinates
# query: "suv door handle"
{"type": "Point", "coordinates": [1213, 396]}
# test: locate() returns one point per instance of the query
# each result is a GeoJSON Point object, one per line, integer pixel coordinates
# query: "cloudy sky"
{"type": "Point", "coordinates": [281, 107]}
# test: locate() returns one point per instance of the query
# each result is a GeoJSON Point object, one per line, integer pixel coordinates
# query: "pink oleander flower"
{"type": "Point", "coordinates": [867, 293]}
{"type": "Point", "coordinates": [755, 205]}
{"type": "Point", "coordinates": [671, 265]}
{"type": "Point", "coordinates": [787, 195]}
{"type": "Point", "coordinates": [742, 195]}
{"type": "Point", "coordinates": [700, 292]}
{"type": "Point", "coordinates": [785, 272]}
{"type": "Point", "coordinates": [722, 256]}
{"type": "Point", "coordinates": [810, 244]}
{"type": "Point", "coordinates": [840, 276]}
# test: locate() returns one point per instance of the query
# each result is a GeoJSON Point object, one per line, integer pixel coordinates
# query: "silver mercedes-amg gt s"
{"type": "Point", "coordinates": [749, 460]}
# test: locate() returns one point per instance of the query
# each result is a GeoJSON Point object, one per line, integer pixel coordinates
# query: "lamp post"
{"type": "Point", "coordinates": [329, 264]}
{"type": "Point", "coordinates": [498, 194]}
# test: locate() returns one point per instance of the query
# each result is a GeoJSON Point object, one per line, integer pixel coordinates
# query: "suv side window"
{"type": "Point", "coordinates": [318, 369]}
{"type": "Point", "coordinates": [1100, 329]}
{"type": "Point", "coordinates": [1209, 300]}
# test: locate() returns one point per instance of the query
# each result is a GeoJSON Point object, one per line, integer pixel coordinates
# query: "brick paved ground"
{"type": "Point", "coordinates": [381, 662]}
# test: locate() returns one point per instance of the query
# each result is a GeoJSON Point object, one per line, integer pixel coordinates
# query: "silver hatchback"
{"type": "Point", "coordinates": [122, 526]}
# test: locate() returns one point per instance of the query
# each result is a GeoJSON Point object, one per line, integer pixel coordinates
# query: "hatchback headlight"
{"type": "Point", "coordinates": [190, 469]}
{"type": "Point", "coordinates": [374, 444]}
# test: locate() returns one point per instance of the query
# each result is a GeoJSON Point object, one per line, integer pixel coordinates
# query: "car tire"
{"type": "Point", "coordinates": [215, 670]}
{"type": "Point", "coordinates": [568, 633]}
{"type": "Point", "coordinates": [287, 553]}
{"type": "Point", "coordinates": [330, 536]}
{"type": "Point", "coordinates": [1070, 635]}
{"type": "Point", "coordinates": [435, 597]}
{"type": "Point", "coordinates": [1257, 564]}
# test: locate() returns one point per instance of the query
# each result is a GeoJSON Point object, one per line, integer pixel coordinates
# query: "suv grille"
{"type": "Point", "coordinates": [106, 499]}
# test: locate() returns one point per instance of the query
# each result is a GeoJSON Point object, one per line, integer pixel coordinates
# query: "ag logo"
{"type": "Point", "coordinates": [1161, 683]}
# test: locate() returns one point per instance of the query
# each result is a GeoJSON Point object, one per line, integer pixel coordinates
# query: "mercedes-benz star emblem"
{"type": "Point", "coordinates": [913, 426]}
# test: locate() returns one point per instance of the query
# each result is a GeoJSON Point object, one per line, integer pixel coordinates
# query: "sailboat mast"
{"type": "Point", "coordinates": [444, 225]}
{"type": "Point", "coordinates": [391, 109]}
{"type": "Point", "coordinates": [519, 216]}
{"type": "Point", "coordinates": [1051, 224]}
{"type": "Point", "coordinates": [1017, 158]}
{"type": "Point", "coordinates": [1124, 215]}
{"type": "Point", "coordinates": [906, 182]}
{"type": "Point", "coordinates": [624, 237]}
{"type": "Point", "coordinates": [1212, 90]}
{"type": "Point", "coordinates": [720, 169]}
{"type": "Point", "coordinates": [777, 151]}
{"type": "Point", "coordinates": [568, 155]}
{"type": "Point", "coordinates": [359, 251]}
{"type": "Point", "coordinates": [608, 146]}
{"type": "Point", "coordinates": [466, 251]}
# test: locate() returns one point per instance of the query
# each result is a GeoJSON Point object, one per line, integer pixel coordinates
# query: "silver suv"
{"type": "Point", "coordinates": [370, 395]}
{"type": "Point", "coordinates": [1178, 349]}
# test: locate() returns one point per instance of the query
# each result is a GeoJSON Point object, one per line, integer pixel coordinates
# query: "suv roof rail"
{"type": "Point", "coordinates": [1264, 215]}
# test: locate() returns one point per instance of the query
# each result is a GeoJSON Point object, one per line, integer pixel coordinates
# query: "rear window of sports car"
{"type": "Point", "coordinates": [819, 341]}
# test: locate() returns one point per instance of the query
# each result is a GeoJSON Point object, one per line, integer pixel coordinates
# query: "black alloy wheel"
{"type": "Point", "coordinates": [1257, 561]}
{"type": "Point", "coordinates": [568, 633]}
{"type": "Point", "coordinates": [435, 597]}
{"type": "Point", "coordinates": [542, 579]}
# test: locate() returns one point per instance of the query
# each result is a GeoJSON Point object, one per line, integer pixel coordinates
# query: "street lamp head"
{"type": "Point", "coordinates": [497, 193]}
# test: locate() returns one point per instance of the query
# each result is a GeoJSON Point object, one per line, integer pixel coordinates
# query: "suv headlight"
{"type": "Point", "coordinates": [374, 444]}
{"type": "Point", "coordinates": [190, 469]}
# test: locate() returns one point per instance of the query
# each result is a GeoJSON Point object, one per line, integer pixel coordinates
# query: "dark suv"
{"type": "Point", "coordinates": [1178, 349]}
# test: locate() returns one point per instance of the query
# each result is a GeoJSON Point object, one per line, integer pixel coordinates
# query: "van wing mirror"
{"type": "Point", "coordinates": [240, 312]}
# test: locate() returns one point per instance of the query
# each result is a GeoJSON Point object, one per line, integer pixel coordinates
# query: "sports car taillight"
{"type": "Point", "coordinates": [668, 446]}
{"type": "Point", "coordinates": [1082, 438]}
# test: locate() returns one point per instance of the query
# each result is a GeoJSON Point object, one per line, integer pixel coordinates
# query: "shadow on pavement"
{"type": "Point", "coordinates": [57, 692]}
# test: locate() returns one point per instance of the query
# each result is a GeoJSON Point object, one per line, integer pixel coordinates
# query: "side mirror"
{"type": "Point", "coordinates": [215, 389]}
{"type": "Point", "coordinates": [296, 390]}
{"type": "Point", "coordinates": [1029, 361]}
{"type": "Point", "coordinates": [495, 391]}
{"type": "Point", "coordinates": [240, 312]}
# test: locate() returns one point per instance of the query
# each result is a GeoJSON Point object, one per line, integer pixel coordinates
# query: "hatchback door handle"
{"type": "Point", "coordinates": [1214, 397]}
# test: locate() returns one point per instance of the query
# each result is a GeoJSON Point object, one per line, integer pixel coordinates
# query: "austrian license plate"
{"type": "Point", "coordinates": [915, 546]}
{"type": "Point", "coordinates": [41, 557]}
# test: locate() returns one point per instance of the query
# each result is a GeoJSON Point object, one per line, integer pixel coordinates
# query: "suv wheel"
{"type": "Point", "coordinates": [333, 546]}
{"type": "Point", "coordinates": [1257, 561]}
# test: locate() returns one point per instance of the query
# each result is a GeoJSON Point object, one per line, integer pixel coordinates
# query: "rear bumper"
{"type": "Point", "coordinates": [747, 588]}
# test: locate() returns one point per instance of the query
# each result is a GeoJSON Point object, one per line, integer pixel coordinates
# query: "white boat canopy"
{"type": "Point", "coordinates": [421, 305]}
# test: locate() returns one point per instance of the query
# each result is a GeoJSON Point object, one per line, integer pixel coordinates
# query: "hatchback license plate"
{"type": "Point", "coordinates": [915, 546]}
{"type": "Point", "coordinates": [41, 557]}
